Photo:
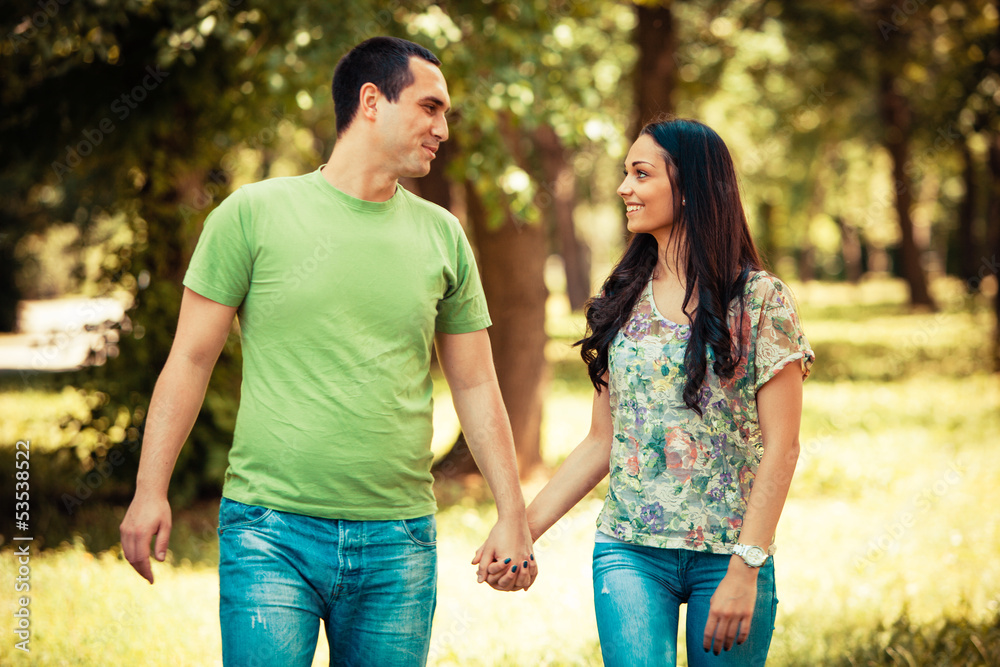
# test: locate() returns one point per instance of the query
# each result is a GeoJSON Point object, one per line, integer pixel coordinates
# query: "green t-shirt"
{"type": "Point", "coordinates": [339, 299]}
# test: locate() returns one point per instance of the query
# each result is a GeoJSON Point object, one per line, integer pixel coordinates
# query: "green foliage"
{"type": "Point", "coordinates": [952, 641]}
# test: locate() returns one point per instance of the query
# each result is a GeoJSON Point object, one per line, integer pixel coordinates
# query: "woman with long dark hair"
{"type": "Point", "coordinates": [697, 359]}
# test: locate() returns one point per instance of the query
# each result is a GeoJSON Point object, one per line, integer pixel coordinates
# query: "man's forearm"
{"type": "Point", "coordinates": [173, 409]}
{"type": "Point", "coordinates": [487, 431]}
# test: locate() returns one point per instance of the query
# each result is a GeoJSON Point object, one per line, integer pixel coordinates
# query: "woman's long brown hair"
{"type": "Point", "coordinates": [716, 248]}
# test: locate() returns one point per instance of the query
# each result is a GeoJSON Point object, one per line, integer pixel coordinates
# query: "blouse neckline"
{"type": "Point", "coordinates": [656, 311]}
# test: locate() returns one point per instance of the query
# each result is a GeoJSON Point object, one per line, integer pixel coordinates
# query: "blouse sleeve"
{"type": "Point", "coordinates": [779, 340]}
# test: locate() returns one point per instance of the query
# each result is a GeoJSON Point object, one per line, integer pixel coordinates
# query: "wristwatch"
{"type": "Point", "coordinates": [752, 555]}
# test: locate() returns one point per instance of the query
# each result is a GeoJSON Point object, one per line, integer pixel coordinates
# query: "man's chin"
{"type": "Point", "coordinates": [417, 172]}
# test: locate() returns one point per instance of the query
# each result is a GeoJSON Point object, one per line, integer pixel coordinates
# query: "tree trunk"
{"type": "Point", "coordinates": [512, 261]}
{"type": "Point", "coordinates": [656, 68]}
{"type": "Point", "coordinates": [561, 193]}
{"type": "Point", "coordinates": [806, 259]}
{"type": "Point", "coordinates": [966, 237]}
{"type": "Point", "coordinates": [850, 246]}
{"type": "Point", "coordinates": [512, 265]}
{"type": "Point", "coordinates": [895, 111]}
{"type": "Point", "coordinates": [9, 292]}
{"type": "Point", "coordinates": [435, 187]}
{"type": "Point", "coordinates": [991, 265]}
{"type": "Point", "coordinates": [993, 213]}
{"type": "Point", "coordinates": [765, 239]}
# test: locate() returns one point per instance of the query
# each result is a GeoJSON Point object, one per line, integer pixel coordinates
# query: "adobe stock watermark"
{"type": "Point", "coordinates": [442, 642]}
{"type": "Point", "coordinates": [456, 619]}
{"type": "Point", "coordinates": [219, 178]}
{"type": "Point", "coordinates": [303, 271]}
{"type": "Point", "coordinates": [377, 24]}
{"type": "Point", "coordinates": [903, 350]}
{"type": "Point", "coordinates": [818, 97]}
{"type": "Point", "coordinates": [87, 484]}
{"type": "Point", "coordinates": [30, 24]}
{"type": "Point", "coordinates": [946, 137]}
{"type": "Point", "coordinates": [901, 13]}
{"type": "Point", "coordinates": [987, 267]}
{"type": "Point", "coordinates": [922, 503]}
{"type": "Point", "coordinates": [121, 107]}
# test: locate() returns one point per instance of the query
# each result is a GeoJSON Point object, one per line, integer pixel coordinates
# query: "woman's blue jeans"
{"type": "Point", "coordinates": [372, 582]}
{"type": "Point", "coordinates": [638, 592]}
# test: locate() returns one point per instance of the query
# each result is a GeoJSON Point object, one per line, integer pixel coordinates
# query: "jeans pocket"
{"type": "Point", "coordinates": [422, 530]}
{"type": "Point", "coordinates": [234, 514]}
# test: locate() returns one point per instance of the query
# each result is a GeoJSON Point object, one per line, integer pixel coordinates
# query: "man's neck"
{"type": "Point", "coordinates": [351, 171]}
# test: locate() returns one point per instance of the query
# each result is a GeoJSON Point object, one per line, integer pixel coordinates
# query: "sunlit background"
{"type": "Point", "coordinates": [867, 137]}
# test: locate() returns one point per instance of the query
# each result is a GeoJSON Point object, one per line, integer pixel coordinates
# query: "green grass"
{"type": "Point", "coordinates": [887, 546]}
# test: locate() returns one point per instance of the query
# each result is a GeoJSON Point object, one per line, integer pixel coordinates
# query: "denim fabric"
{"type": "Point", "coordinates": [638, 591]}
{"type": "Point", "coordinates": [372, 582]}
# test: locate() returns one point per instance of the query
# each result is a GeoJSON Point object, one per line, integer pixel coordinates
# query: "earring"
{"type": "Point", "coordinates": [683, 201]}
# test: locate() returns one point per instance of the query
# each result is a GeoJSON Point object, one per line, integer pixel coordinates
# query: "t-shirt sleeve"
{"type": "Point", "coordinates": [222, 262]}
{"type": "Point", "coordinates": [463, 308]}
{"type": "Point", "coordinates": [779, 339]}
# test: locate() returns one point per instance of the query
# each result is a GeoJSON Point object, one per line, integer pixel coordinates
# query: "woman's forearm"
{"type": "Point", "coordinates": [770, 490]}
{"type": "Point", "coordinates": [586, 465]}
{"type": "Point", "coordinates": [582, 470]}
{"type": "Point", "coordinates": [779, 406]}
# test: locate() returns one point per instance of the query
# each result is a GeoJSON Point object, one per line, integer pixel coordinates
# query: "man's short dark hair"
{"type": "Point", "coordinates": [383, 61]}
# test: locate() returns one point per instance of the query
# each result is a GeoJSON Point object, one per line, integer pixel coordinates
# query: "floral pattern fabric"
{"type": "Point", "coordinates": [679, 480]}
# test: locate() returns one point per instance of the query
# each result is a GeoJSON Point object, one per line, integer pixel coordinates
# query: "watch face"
{"type": "Point", "coordinates": [752, 555]}
{"type": "Point", "coordinates": [755, 556]}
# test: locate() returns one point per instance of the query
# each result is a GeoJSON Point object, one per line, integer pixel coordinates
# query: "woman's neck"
{"type": "Point", "coordinates": [669, 263]}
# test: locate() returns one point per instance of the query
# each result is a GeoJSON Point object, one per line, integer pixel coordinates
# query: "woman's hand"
{"type": "Point", "coordinates": [731, 609]}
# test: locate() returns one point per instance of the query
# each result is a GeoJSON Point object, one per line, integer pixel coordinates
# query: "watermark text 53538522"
{"type": "Point", "coordinates": [22, 522]}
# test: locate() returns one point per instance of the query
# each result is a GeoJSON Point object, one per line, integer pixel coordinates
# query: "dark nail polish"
{"type": "Point", "coordinates": [532, 556]}
{"type": "Point", "coordinates": [524, 564]}
{"type": "Point", "coordinates": [514, 569]}
{"type": "Point", "coordinates": [506, 561]}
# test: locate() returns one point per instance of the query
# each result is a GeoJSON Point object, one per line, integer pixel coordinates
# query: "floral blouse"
{"type": "Point", "coordinates": [678, 480]}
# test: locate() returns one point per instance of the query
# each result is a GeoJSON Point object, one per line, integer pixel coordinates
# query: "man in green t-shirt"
{"type": "Point", "coordinates": [342, 282]}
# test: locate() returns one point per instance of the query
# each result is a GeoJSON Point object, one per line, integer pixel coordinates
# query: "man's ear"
{"type": "Point", "coordinates": [368, 102]}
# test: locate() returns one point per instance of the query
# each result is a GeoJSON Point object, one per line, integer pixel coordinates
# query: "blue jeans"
{"type": "Point", "coordinates": [638, 592]}
{"type": "Point", "coordinates": [374, 584]}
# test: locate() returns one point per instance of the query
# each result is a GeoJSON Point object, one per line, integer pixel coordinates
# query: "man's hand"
{"type": "Point", "coordinates": [731, 609]}
{"type": "Point", "coordinates": [507, 553]}
{"type": "Point", "coordinates": [145, 518]}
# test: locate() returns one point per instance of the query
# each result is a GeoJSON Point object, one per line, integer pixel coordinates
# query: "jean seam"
{"type": "Point", "coordinates": [409, 534]}
{"type": "Point", "coordinates": [339, 577]}
{"type": "Point", "coordinates": [683, 565]}
{"type": "Point", "coordinates": [245, 524]}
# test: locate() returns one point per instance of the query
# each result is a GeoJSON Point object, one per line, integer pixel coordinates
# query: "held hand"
{"type": "Point", "coordinates": [731, 609]}
{"type": "Point", "coordinates": [145, 518]}
{"type": "Point", "coordinates": [505, 560]}
{"type": "Point", "coordinates": [500, 570]}
{"type": "Point", "coordinates": [504, 575]}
